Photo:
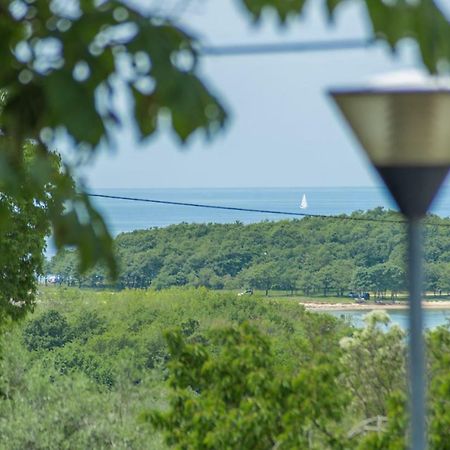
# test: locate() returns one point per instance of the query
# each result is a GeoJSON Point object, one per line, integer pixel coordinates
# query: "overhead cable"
{"type": "Point", "coordinates": [263, 211]}
{"type": "Point", "coordinates": [285, 47]}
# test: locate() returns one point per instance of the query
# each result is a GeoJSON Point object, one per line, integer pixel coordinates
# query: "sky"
{"type": "Point", "coordinates": [283, 130]}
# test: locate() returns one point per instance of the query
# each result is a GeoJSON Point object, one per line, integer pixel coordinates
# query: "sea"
{"type": "Point", "coordinates": [126, 215]}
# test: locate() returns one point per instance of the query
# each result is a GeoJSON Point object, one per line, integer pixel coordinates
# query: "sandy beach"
{"type": "Point", "coordinates": [426, 304]}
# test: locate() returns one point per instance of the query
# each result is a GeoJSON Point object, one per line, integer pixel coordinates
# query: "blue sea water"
{"type": "Point", "coordinates": [122, 215]}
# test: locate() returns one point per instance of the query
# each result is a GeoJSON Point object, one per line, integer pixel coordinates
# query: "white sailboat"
{"type": "Point", "coordinates": [304, 202]}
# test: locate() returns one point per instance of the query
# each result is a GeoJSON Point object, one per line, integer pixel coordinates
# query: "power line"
{"type": "Point", "coordinates": [235, 208]}
{"type": "Point", "coordinates": [286, 47]}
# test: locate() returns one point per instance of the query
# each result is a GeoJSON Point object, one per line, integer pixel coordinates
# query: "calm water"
{"type": "Point", "coordinates": [124, 215]}
{"type": "Point", "coordinates": [432, 317]}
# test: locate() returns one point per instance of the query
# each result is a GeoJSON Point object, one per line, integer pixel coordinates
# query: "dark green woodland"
{"type": "Point", "coordinates": [313, 256]}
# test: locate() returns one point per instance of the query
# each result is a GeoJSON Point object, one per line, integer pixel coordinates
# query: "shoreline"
{"type": "Point", "coordinates": [426, 304]}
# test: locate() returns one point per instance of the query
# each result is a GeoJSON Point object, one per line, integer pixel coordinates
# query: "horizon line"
{"type": "Point", "coordinates": [240, 187]}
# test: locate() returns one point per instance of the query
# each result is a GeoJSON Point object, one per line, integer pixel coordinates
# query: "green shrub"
{"type": "Point", "coordinates": [236, 397]}
{"type": "Point", "coordinates": [47, 332]}
{"type": "Point", "coordinates": [79, 373]}
{"type": "Point", "coordinates": [87, 324]}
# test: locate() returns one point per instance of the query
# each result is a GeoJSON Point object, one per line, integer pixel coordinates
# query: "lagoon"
{"type": "Point", "coordinates": [432, 317]}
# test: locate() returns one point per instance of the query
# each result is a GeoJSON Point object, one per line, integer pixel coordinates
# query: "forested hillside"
{"type": "Point", "coordinates": [317, 256]}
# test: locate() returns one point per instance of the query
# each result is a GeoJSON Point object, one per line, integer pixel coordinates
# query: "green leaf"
{"type": "Point", "coordinates": [283, 8]}
{"type": "Point", "coordinates": [72, 105]}
{"type": "Point", "coordinates": [146, 112]}
{"type": "Point", "coordinates": [192, 106]}
{"type": "Point", "coordinates": [83, 227]}
{"type": "Point", "coordinates": [331, 6]}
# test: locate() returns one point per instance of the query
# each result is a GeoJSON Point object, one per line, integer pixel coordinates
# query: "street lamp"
{"type": "Point", "coordinates": [404, 127]}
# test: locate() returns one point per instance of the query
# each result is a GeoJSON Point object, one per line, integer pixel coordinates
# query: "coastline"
{"type": "Point", "coordinates": [426, 304]}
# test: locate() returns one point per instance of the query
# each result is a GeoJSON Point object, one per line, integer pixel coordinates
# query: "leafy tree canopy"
{"type": "Point", "coordinates": [238, 400]}
{"type": "Point", "coordinates": [23, 231]}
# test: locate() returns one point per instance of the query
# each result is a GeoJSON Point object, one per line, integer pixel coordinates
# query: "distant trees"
{"type": "Point", "coordinates": [361, 280]}
{"type": "Point", "coordinates": [313, 255]}
{"type": "Point", "coordinates": [287, 279]}
{"type": "Point", "coordinates": [342, 275]}
{"type": "Point", "coordinates": [261, 276]}
{"type": "Point", "coordinates": [379, 279]}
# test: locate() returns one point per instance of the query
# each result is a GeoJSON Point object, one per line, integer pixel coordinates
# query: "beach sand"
{"type": "Point", "coordinates": [426, 304]}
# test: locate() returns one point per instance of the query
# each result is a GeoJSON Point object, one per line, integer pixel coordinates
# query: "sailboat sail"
{"type": "Point", "coordinates": [304, 202]}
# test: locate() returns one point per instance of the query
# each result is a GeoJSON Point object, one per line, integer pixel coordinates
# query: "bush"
{"type": "Point", "coordinates": [88, 324]}
{"type": "Point", "coordinates": [47, 332]}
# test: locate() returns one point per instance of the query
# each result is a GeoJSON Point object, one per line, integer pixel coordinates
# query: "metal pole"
{"type": "Point", "coordinates": [416, 341]}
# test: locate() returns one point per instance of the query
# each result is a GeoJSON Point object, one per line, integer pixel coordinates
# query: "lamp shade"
{"type": "Point", "coordinates": [405, 132]}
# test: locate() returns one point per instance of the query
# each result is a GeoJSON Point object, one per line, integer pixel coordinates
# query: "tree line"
{"type": "Point", "coordinates": [362, 252]}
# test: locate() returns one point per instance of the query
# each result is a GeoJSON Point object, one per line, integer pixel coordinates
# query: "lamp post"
{"type": "Point", "coordinates": [405, 131]}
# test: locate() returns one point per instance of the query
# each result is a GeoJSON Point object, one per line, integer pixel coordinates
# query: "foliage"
{"type": "Point", "coordinates": [46, 332]}
{"type": "Point", "coordinates": [374, 361]}
{"type": "Point", "coordinates": [42, 409]}
{"type": "Point", "coordinates": [236, 372]}
{"type": "Point", "coordinates": [237, 398]}
{"type": "Point", "coordinates": [390, 21]}
{"type": "Point", "coordinates": [393, 437]}
{"type": "Point", "coordinates": [89, 392]}
{"type": "Point", "coordinates": [438, 344]}
{"type": "Point", "coordinates": [23, 229]}
{"type": "Point", "coordinates": [55, 54]}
